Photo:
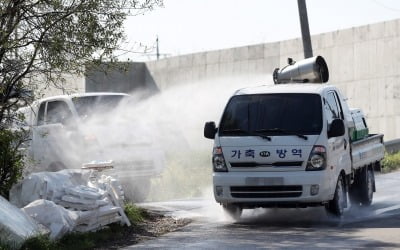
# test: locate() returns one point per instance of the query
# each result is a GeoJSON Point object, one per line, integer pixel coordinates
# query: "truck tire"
{"type": "Point", "coordinates": [361, 192]}
{"type": "Point", "coordinates": [337, 205]}
{"type": "Point", "coordinates": [378, 167]}
{"type": "Point", "coordinates": [233, 211]}
{"type": "Point", "coordinates": [366, 187]}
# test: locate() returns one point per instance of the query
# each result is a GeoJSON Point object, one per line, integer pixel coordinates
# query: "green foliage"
{"type": "Point", "coordinates": [42, 40]}
{"type": "Point", "coordinates": [7, 245]}
{"type": "Point", "coordinates": [39, 243]}
{"type": "Point", "coordinates": [90, 240]}
{"type": "Point", "coordinates": [187, 175]}
{"type": "Point", "coordinates": [11, 160]}
{"type": "Point", "coordinates": [135, 214]}
{"type": "Point", "coordinates": [391, 162]}
{"type": "Point", "coordinates": [76, 241]}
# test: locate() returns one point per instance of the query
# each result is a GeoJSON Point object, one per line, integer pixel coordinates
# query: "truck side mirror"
{"type": "Point", "coordinates": [336, 129]}
{"type": "Point", "coordinates": [210, 130]}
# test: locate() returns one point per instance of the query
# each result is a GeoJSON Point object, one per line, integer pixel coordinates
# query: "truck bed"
{"type": "Point", "coordinates": [368, 150]}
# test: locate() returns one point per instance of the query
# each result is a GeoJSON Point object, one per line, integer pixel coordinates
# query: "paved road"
{"type": "Point", "coordinates": [375, 227]}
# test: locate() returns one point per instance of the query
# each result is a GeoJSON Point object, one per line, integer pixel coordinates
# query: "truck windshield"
{"type": "Point", "coordinates": [87, 106]}
{"type": "Point", "coordinates": [272, 114]}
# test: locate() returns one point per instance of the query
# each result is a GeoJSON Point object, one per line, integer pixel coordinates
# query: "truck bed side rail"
{"type": "Point", "coordinates": [368, 151]}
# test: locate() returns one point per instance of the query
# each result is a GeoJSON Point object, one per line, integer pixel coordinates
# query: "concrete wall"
{"type": "Point", "coordinates": [364, 62]}
{"type": "Point", "coordinates": [244, 62]}
{"type": "Point", "coordinates": [72, 84]}
{"type": "Point", "coordinates": [123, 77]}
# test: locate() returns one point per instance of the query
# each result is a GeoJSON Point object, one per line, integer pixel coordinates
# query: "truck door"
{"type": "Point", "coordinates": [338, 147]}
{"type": "Point", "coordinates": [38, 136]}
{"type": "Point", "coordinates": [50, 140]}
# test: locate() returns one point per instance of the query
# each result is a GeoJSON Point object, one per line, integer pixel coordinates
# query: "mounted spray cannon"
{"type": "Point", "coordinates": [310, 70]}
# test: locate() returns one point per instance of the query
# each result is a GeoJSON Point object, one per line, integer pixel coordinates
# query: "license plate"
{"type": "Point", "coordinates": [264, 181]}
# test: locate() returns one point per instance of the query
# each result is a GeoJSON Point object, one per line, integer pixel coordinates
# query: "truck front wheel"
{"type": "Point", "coordinates": [337, 205]}
{"type": "Point", "coordinates": [233, 211]}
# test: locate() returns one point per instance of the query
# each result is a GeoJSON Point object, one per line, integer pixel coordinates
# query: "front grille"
{"type": "Point", "coordinates": [266, 191]}
{"type": "Point", "coordinates": [274, 164]}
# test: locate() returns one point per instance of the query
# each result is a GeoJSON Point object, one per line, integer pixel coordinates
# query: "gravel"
{"type": "Point", "coordinates": [154, 225]}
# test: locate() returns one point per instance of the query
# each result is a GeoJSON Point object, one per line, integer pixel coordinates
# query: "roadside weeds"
{"type": "Point", "coordinates": [391, 162]}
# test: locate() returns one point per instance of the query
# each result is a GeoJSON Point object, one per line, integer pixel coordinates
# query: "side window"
{"type": "Point", "coordinates": [41, 114]}
{"type": "Point", "coordinates": [58, 112]}
{"type": "Point", "coordinates": [338, 105]}
{"type": "Point", "coordinates": [332, 108]}
{"type": "Point", "coordinates": [360, 122]}
{"type": "Point", "coordinates": [364, 122]}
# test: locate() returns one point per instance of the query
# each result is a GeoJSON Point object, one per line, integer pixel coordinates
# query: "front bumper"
{"type": "Point", "coordinates": [274, 189]}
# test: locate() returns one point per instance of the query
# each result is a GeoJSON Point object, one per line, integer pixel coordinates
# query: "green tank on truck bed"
{"type": "Point", "coordinates": [359, 129]}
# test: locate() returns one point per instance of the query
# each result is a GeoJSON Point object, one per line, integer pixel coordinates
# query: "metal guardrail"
{"type": "Point", "coordinates": [392, 146]}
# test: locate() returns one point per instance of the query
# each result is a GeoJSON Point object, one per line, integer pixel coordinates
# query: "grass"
{"type": "Point", "coordinates": [76, 241]}
{"type": "Point", "coordinates": [41, 242]}
{"type": "Point", "coordinates": [89, 240]}
{"type": "Point", "coordinates": [391, 162]}
{"type": "Point", "coordinates": [135, 214]}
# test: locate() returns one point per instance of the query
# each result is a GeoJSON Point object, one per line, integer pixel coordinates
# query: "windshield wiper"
{"type": "Point", "coordinates": [245, 132]}
{"type": "Point", "coordinates": [282, 131]}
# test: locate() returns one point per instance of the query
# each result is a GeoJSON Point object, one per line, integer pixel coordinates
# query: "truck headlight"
{"type": "Point", "coordinates": [218, 160]}
{"type": "Point", "coordinates": [317, 159]}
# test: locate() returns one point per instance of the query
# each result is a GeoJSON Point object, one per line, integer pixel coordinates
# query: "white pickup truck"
{"type": "Point", "coordinates": [70, 130]}
{"type": "Point", "coordinates": [290, 145]}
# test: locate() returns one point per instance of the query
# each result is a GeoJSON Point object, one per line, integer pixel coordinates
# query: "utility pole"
{"type": "Point", "coordinates": [305, 30]}
{"type": "Point", "coordinates": [158, 50]}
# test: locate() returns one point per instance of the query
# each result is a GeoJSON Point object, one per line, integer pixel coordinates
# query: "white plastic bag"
{"type": "Point", "coordinates": [56, 218]}
{"type": "Point", "coordinates": [15, 225]}
{"type": "Point", "coordinates": [47, 185]}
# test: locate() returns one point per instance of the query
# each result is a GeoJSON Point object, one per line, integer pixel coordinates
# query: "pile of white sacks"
{"type": "Point", "coordinates": [61, 202]}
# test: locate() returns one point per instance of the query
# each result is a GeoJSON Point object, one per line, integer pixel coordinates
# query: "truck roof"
{"type": "Point", "coordinates": [311, 88]}
{"type": "Point", "coordinates": [60, 97]}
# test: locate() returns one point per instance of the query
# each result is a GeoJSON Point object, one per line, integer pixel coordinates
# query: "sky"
{"type": "Point", "coordinates": [190, 26]}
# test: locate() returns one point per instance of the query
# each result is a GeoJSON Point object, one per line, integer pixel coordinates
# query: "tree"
{"type": "Point", "coordinates": [11, 161]}
{"type": "Point", "coordinates": [40, 40]}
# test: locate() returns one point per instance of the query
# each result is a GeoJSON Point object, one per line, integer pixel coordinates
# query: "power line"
{"type": "Point", "coordinates": [385, 6]}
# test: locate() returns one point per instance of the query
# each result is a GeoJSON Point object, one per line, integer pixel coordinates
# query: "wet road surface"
{"type": "Point", "coordinates": [375, 227]}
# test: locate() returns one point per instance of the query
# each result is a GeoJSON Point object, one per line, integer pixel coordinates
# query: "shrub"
{"type": "Point", "coordinates": [41, 242]}
{"type": "Point", "coordinates": [135, 214]}
{"type": "Point", "coordinates": [391, 162]}
{"type": "Point", "coordinates": [11, 159]}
